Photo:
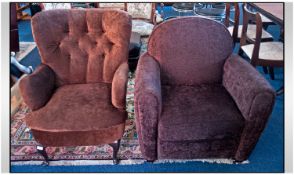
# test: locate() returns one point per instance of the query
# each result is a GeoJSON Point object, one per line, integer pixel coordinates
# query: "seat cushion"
{"type": "Point", "coordinates": [251, 32]}
{"type": "Point", "coordinates": [79, 114]}
{"type": "Point", "coordinates": [198, 113]}
{"type": "Point", "coordinates": [269, 51]}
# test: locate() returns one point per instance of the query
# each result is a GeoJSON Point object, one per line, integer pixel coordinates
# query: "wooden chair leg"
{"type": "Point", "coordinates": [42, 151]}
{"type": "Point", "coordinates": [115, 147]}
{"type": "Point", "coordinates": [271, 72]}
{"type": "Point", "coordinates": [265, 69]}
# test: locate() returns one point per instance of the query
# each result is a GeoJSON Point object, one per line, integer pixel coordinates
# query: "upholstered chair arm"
{"type": "Point", "coordinates": [147, 105]}
{"type": "Point", "coordinates": [119, 86]}
{"type": "Point", "coordinates": [37, 88]}
{"type": "Point", "coordinates": [254, 97]}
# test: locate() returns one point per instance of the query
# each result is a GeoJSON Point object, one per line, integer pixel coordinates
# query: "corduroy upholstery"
{"type": "Point", "coordinates": [78, 93]}
{"type": "Point", "coordinates": [194, 98]}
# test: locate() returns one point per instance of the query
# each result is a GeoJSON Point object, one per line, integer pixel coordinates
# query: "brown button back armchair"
{"type": "Point", "coordinates": [78, 92]}
{"type": "Point", "coordinates": [194, 98]}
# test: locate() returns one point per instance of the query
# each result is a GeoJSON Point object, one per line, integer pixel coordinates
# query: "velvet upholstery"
{"type": "Point", "coordinates": [254, 97]}
{"type": "Point", "coordinates": [197, 99]}
{"type": "Point", "coordinates": [198, 123]}
{"type": "Point", "coordinates": [119, 86]}
{"type": "Point", "coordinates": [78, 93]}
{"type": "Point", "coordinates": [80, 46]}
{"type": "Point", "coordinates": [84, 108]}
{"type": "Point", "coordinates": [190, 54]}
{"type": "Point", "coordinates": [147, 104]}
{"type": "Point", "coordinates": [37, 88]}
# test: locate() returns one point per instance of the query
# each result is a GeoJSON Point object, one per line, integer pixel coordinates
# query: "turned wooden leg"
{"type": "Point", "coordinates": [115, 147]}
{"type": "Point", "coordinates": [271, 72]}
{"type": "Point", "coordinates": [42, 151]}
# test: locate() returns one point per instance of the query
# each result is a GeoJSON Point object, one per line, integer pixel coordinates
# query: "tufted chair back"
{"type": "Point", "coordinates": [190, 50]}
{"type": "Point", "coordinates": [82, 46]}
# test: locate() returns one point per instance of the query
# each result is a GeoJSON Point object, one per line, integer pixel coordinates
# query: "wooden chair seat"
{"type": "Point", "coordinates": [269, 51]}
{"type": "Point", "coordinates": [251, 32]}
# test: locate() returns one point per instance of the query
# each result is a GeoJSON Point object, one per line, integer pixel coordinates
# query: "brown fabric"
{"type": "Point", "coordinates": [216, 148]}
{"type": "Point", "coordinates": [74, 138]}
{"type": "Point", "coordinates": [147, 105]}
{"type": "Point", "coordinates": [79, 108]}
{"type": "Point", "coordinates": [254, 97]}
{"type": "Point", "coordinates": [194, 100]}
{"type": "Point", "coordinates": [84, 49]}
{"type": "Point", "coordinates": [190, 50]}
{"type": "Point", "coordinates": [82, 46]}
{"type": "Point", "coordinates": [119, 86]}
{"type": "Point", "coordinates": [244, 83]}
{"type": "Point", "coordinates": [37, 88]}
{"type": "Point", "coordinates": [194, 113]}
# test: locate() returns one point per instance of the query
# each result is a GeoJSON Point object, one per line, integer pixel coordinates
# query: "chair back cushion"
{"type": "Point", "coordinates": [82, 46]}
{"type": "Point", "coordinates": [190, 50]}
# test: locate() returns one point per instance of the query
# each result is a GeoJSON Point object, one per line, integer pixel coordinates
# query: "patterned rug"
{"type": "Point", "coordinates": [23, 145]}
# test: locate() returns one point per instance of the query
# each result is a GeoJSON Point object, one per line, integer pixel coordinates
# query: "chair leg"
{"type": "Point", "coordinates": [271, 72]}
{"type": "Point", "coordinates": [265, 69]}
{"type": "Point", "coordinates": [42, 151]}
{"type": "Point", "coordinates": [115, 147]}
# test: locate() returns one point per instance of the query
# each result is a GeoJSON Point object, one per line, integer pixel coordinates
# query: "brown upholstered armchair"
{"type": "Point", "coordinates": [78, 92]}
{"type": "Point", "coordinates": [194, 98]}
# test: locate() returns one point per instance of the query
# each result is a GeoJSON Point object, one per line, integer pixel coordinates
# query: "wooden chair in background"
{"type": "Point", "coordinates": [236, 29]}
{"type": "Point", "coordinates": [267, 54]}
{"type": "Point", "coordinates": [121, 6]}
{"type": "Point", "coordinates": [144, 17]}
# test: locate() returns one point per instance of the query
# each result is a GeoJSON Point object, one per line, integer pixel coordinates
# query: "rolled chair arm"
{"type": "Point", "coordinates": [119, 86]}
{"type": "Point", "coordinates": [148, 104]}
{"type": "Point", "coordinates": [254, 97]}
{"type": "Point", "coordinates": [37, 88]}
